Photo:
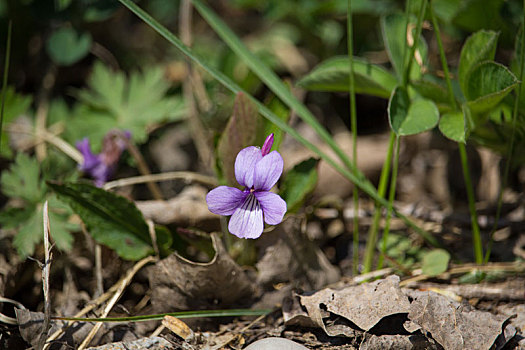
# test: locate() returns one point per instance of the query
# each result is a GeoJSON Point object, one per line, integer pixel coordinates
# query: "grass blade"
{"type": "Point", "coordinates": [4, 82]}
{"type": "Point", "coordinates": [181, 314]}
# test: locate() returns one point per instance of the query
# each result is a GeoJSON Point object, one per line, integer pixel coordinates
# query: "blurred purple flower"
{"type": "Point", "coordinates": [257, 170]}
{"type": "Point", "coordinates": [102, 166]}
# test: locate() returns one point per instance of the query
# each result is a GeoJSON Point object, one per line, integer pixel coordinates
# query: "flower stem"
{"type": "Point", "coordinates": [381, 190]}
{"type": "Point", "coordinates": [476, 234]}
{"type": "Point", "coordinates": [442, 57]}
{"type": "Point", "coordinates": [391, 195]}
{"type": "Point", "coordinates": [353, 123]}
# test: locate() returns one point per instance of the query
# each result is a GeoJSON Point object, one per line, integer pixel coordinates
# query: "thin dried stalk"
{"type": "Point", "coordinates": [45, 280]}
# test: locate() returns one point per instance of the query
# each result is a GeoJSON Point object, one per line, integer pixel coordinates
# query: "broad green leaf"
{"type": "Point", "coordinates": [23, 180]}
{"type": "Point", "coordinates": [487, 84]}
{"type": "Point", "coordinates": [435, 262]}
{"type": "Point", "coordinates": [112, 220]}
{"type": "Point", "coordinates": [240, 132]}
{"type": "Point", "coordinates": [393, 29]}
{"type": "Point", "coordinates": [131, 103]}
{"type": "Point", "coordinates": [446, 9]}
{"type": "Point", "coordinates": [299, 182]}
{"type": "Point", "coordinates": [474, 15]}
{"type": "Point", "coordinates": [409, 118]}
{"type": "Point", "coordinates": [431, 90]}
{"type": "Point", "coordinates": [14, 106]}
{"type": "Point", "coordinates": [66, 47]}
{"type": "Point", "coordinates": [332, 75]}
{"type": "Point", "coordinates": [453, 126]}
{"type": "Point", "coordinates": [479, 47]}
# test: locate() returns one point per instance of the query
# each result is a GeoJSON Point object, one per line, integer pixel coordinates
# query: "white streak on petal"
{"type": "Point", "coordinates": [223, 200]}
{"type": "Point", "coordinates": [273, 206]}
{"type": "Point", "coordinates": [247, 221]}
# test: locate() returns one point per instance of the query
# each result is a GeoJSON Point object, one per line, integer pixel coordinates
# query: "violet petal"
{"type": "Point", "coordinates": [273, 206]}
{"type": "Point", "coordinates": [223, 200]}
{"type": "Point", "coordinates": [247, 221]}
{"type": "Point", "coordinates": [267, 146]}
{"type": "Point", "coordinates": [245, 165]}
{"type": "Point", "coordinates": [90, 160]}
{"type": "Point", "coordinates": [267, 171]}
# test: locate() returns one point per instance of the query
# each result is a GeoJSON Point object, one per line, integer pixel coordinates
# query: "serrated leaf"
{"type": "Point", "coordinates": [240, 132]}
{"type": "Point", "coordinates": [299, 182]}
{"type": "Point", "coordinates": [393, 28]}
{"type": "Point", "coordinates": [29, 234]}
{"type": "Point", "coordinates": [14, 106]}
{"type": "Point", "coordinates": [112, 220]}
{"type": "Point", "coordinates": [479, 47]}
{"type": "Point", "coordinates": [409, 118]}
{"type": "Point", "coordinates": [332, 75]}
{"type": "Point", "coordinates": [453, 126]}
{"type": "Point", "coordinates": [28, 223]}
{"type": "Point", "coordinates": [66, 47]}
{"type": "Point", "coordinates": [435, 262]}
{"type": "Point", "coordinates": [487, 84]}
{"type": "Point", "coordinates": [23, 180]}
{"type": "Point", "coordinates": [133, 103]}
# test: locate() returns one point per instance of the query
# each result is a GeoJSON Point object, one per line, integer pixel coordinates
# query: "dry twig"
{"type": "Point", "coordinates": [45, 280]}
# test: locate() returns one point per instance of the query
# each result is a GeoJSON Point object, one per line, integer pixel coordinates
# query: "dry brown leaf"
{"type": "Point", "coordinates": [294, 258]}
{"type": "Point", "coordinates": [453, 325]}
{"type": "Point", "coordinates": [178, 327]}
{"type": "Point", "coordinates": [180, 284]}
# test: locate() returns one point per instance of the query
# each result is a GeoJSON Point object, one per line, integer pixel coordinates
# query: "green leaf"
{"type": "Point", "coordinates": [393, 28]}
{"type": "Point", "coordinates": [453, 125]}
{"type": "Point", "coordinates": [112, 220]}
{"type": "Point", "coordinates": [66, 47]}
{"type": "Point", "coordinates": [487, 84]}
{"type": "Point", "coordinates": [28, 223]}
{"type": "Point", "coordinates": [135, 103]}
{"type": "Point", "coordinates": [298, 183]}
{"type": "Point", "coordinates": [435, 262]}
{"type": "Point", "coordinates": [14, 106]}
{"type": "Point", "coordinates": [332, 75]}
{"type": "Point", "coordinates": [240, 132]}
{"type": "Point", "coordinates": [409, 118]}
{"type": "Point", "coordinates": [479, 47]}
{"type": "Point", "coordinates": [23, 180]}
{"type": "Point", "coordinates": [283, 113]}
{"type": "Point", "coordinates": [431, 90]}
{"type": "Point", "coordinates": [30, 233]}
{"type": "Point", "coordinates": [474, 15]}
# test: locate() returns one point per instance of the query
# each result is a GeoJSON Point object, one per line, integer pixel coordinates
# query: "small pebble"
{"type": "Point", "coordinates": [275, 343]}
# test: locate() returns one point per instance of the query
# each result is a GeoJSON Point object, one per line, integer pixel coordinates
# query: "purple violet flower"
{"type": "Point", "coordinates": [257, 170]}
{"type": "Point", "coordinates": [102, 166]}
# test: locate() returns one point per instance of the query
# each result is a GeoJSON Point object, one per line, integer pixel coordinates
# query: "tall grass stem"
{"type": "Point", "coordinates": [353, 125]}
